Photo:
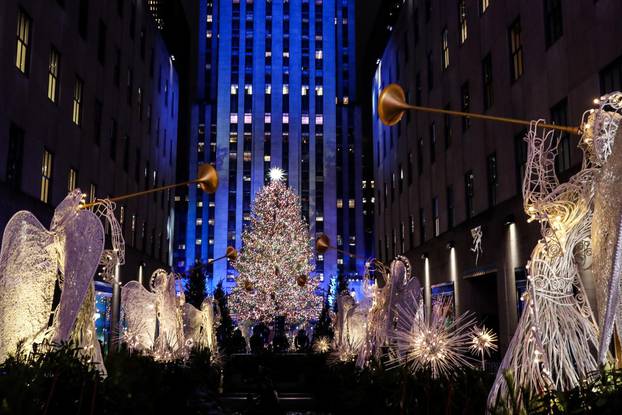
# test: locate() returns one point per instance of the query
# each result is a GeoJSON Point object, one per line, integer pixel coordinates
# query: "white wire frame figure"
{"type": "Point", "coordinates": [384, 314]}
{"type": "Point", "coordinates": [153, 322]}
{"type": "Point", "coordinates": [606, 247]}
{"type": "Point", "coordinates": [554, 343]}
{"type": "Point", "coordinates": [199, 325]}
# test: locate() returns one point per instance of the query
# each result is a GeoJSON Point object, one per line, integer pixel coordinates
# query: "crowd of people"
{"type": "Point", "coordinates": [263, 339]}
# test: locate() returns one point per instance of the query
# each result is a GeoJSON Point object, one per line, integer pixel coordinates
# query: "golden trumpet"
{"type": "Point", "coordinates": [392, 105]}
{"type": "Point", "coordinates": [322, 244]}
{"type": "Point", "coordinates": [207, 179]}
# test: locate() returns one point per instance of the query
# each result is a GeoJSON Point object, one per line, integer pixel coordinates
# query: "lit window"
{"type": "Point", "coordinates": [319, 219]}
{"type": "Point", "coordinates": [198, 242]}
{"type": "Point", "coordinates": [77, 101]}
{"type": "Point", "coordinates": [305, 119]}
{"type": "Point", "coordinates": [53, 71]}
{"type": "Point", "coordinates": [444, 49]}
{"type": "Point", "coordinates": [92, 193]}
{"type": "Point", "coordinates": [319, 119]}
{"type": "Point", "coordinates": [199, 222]}
{"type": "Point", "coordinates": [248, 118]}
{"type": "Point", "coordinates": [339, 203]}
{"type": "Point", "coordinates": [319, 90]}
{"type": "Point", "coordinates": [462, 21]}
{"type": "Point", "coordinates": [318, 54]}
{"type": "Point", "coordinates": [346, 100]}
{"type": "Point", "coordinates": [248, 89]}
{"type": "Point", "coordinates": [351, 203]}
{"type": "Point", "coordinates": [286, 54]}
{"type": "Point", "coordinates": [285, 89]}
{"type": "Point", "coordinates": [268, 89]}
{"type": "Point", "coordinates": [22, 57]}
{"type": "Point", "coordinates": [46, 175]}
{"type": "Point", "coordinates": [266, 158]}
{"type": "Point", "coordinates": [267, 118]}
{"type": "Point", "coordinates": [285, 118]}
{"type": "Point", "coordinates": [133, 229]}
{"type": "Point", "coordinates": [199, 204]}
{"type": "Point", "coordinates": [209, 34]}
{"type": "Point", "coordinates": [516, 50]}
{"type": "Point", "coordinates": [209, 18]}
{"type": "Point", "coordinates": [234, 89]}
{"type": "Point", "coordinates": [233, 118]}
{"type": "Point", "coordinates": [139, 101]}
{"type": "Point", "coordinates": [483, 6]}
{"type": "Point", "coordinates": [304, 90]}
{"type": "Point", "coordinates": [72, 180]}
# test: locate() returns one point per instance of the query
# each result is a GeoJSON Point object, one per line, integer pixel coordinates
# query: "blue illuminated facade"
{"type": "Point", "coordinates": [276, 88]}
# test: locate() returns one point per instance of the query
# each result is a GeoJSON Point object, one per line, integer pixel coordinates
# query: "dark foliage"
{"type": "Point", "coordinates": [61, 381]}
{"type": "Point", "coordinates": [323, 328]}
{"type": "Point", "coordinates": [224, 332]}
{"type": "Point", "coordinates": [195, 286]}
{"type": "Point", "coordinates": [600, 394]}
{"type": "Point", "coordinates": [346, 389]}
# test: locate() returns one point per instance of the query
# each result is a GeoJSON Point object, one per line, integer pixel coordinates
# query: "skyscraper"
{"type": "Point", "coordinates": [275, 88]}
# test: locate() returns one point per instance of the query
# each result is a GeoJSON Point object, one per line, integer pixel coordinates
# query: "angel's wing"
{"type": "Point", "coordinates": [170, 333]}
{"type": "Point", "coordinates": [83, 247]}
{"type": "Point", "coordinates": [28, 269]}
{"type": "Point", "coordinates": [138, 307]}
{"type": "Point", "coordinates": [192, 323]}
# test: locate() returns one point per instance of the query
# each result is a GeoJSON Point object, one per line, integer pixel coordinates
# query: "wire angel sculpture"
{"type": "Point", "coordinates": [199, 325]}
{"type": "Point", "coordinates": [606, 245]}
{"type": "Point", "coordinates": [152, 320]}
{"type": "Point", "coordinates": [350, 325]}
{"type": "Point", "coordinates": [554, 341]}
{"type": "Point", "coordinates": [384, 315]}
{"type": "Point", "coordinates": [33, 259]}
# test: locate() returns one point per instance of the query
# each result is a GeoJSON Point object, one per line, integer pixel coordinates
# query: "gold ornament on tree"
{"type": "Point", "coordinates": [301, 280]}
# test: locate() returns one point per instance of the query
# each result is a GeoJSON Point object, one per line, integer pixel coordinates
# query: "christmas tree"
{"type": "Point", "coordinates": [324, 326]}
{"type": "Point", "coordinates": [224, 331]}
{"type": "Point", "coordinates": [275, 263]}
{"type": "Point", "coordinates": [195, 286]}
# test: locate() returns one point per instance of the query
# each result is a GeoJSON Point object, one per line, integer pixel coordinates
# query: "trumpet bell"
{"type": "Point", "coordinates": [322, 243]}
{"type": "Point", "coordinates": [231, 253]}
{"type": "Point", "coordinates": [207, 178]}
{"type": "Point", "coordinates": [392, 104]}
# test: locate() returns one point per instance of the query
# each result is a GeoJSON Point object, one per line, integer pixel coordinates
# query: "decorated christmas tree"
{"type": "Point", "coordinates": [275, 263]}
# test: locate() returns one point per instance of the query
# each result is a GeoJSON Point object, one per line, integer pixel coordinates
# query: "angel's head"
{"type": "Point", "coordinates": [600, 126]}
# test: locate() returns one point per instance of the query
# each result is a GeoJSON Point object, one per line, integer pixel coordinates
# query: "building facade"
{"type": "Point", "coordinates": [448, 189]}
{"type": "Point", "coordinates": [275, 88]}
{"type": "Point", "coordinates": [90, 101]}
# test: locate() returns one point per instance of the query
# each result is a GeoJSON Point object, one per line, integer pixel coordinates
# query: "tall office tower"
{"type": "Point", "coordinates": [275, 88]}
